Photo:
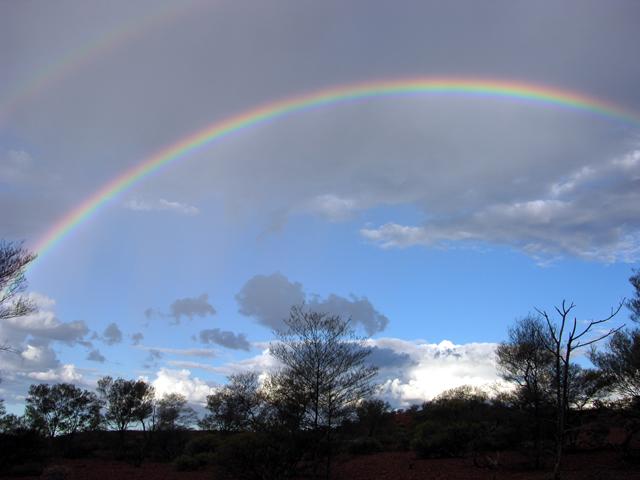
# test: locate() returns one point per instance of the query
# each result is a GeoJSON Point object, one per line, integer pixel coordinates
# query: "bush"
{"type": "Point", "coordinates": [56, 472]}
{"type": "Point", "coordinates": [186, 463]}
{"type": "Point", "coordinates": [436, 439]}
{"type": "Point", "coordinates": [364, 445]}
{"type": "Point", "coordinates": [206, 458]}
{"type": "Point", "coordinates": [202, 444]}
{"type": "Point", "coordinates": [28, 469]}
{"type": "Point", "coordinates": [23, 450]}
{"type": "Point", "coordinates": [249, 456]}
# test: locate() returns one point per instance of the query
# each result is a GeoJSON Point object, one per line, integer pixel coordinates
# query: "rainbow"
{"type": "Point", "coordinates": [82, 55]}
{"type": "Point", "coordinates": [495, 89]}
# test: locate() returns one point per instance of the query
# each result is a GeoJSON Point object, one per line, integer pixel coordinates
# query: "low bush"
{"type": "Point", "coordinates": [186, 463]}
{"type": "Point", "coordinates": [436, 439]}
{"type": "Point", "coordinates": [249, 456]}
{"type": "Point", "coordinates": [364, 445]}
{"type": "Point", "coordinates": [202, 444]}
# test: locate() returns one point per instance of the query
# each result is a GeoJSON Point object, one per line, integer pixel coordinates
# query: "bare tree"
{"type": "Point", "coordinates": [14, 259]}
{"type": "Point", "coordinates": [634, 303]}
{"type": "Point", "coordinates": [324, 370]}
{"type": "Point", "coordinates": [561, 340]}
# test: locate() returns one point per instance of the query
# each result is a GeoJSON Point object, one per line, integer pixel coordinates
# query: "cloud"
{"type": "Point", "coordinates": [191, 307]}
{"type": "Point", "coordinates": [37, 357]}
{"type": "Point", "coordinates": [67, 373]}
{"type": "Point", "coordinates": [593, 213]}
{"type": "Point", "coordinates": [333, 207]}
{"type": "Point", "coordinates": [358, 309]}
{"type": "Point", "coordinates": [112, 334]}
{"type": "Point", "coordinates": [181, 382]}
{"type": "Point", "coordinates": [187, 352]}
{"type": "Point", "coordinates": [225, 338]}
{"type": "Point", "coordinates": [136, 338]}
{"type": "Point", "coordinates": [95, 356]}
{"type": "Point", "coordinates": [161, 205]}
{"type": "Point", "coordinates": [15, 166]}
{"type": "Point", "coordinates": [384, 357]}
{"type": "Point", "coordinates": [269, 298]}
{"type": "Point", "coordinates": [418, 371]}
{"type": "Point", "coordinates": [43, 325]}
{"type": "Point", "coordinates": [410, 372]}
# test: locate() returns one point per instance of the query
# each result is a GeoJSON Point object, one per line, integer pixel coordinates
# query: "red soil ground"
{"type": "Point", "coordinates": [383, 466]}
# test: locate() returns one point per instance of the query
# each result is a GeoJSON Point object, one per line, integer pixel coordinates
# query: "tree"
{"type": "Point", "coordinates": [324, 371]}
{"type": "Point", "coordinates": [634, 303]}
{"type": "Point", "coordinates": [61, 409]}
{"type": "Point", "coordinates": [173, 413]}
{"type": "Point", "coordinates": [525, 361]}
{"type": "Point", "coordinates": [561, 347]}
{"type": "Point", "coordinates": [126, 402]}
{"type": "Point", "coordinates": [238, 406]}
{"type": "Point", "coordinates": [621, 362]}
{"type": "Point", "coordinates": [9, 423]}
{"type": "Point", "coordinates": [373, 414]}
{"type": "Point", "coordinates": [14, 259]}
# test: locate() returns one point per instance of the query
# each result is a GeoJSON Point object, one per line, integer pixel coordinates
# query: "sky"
{"type": "Point", "coordinates": [432, 221]}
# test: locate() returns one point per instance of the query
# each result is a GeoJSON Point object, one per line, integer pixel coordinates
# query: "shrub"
{"type": "Point", "coordinates": [185, 463]}
{"type": "Point", "coordinates": [56, 472]}
{"type": "Point", "coordinates": [206, 458]}
{"type": "Point", "coordinates": [248, 456]}
{"type": "Point", "coordinates": [364, 445]}
{"type": "Point", "coordinates": [28, 469]}
{"type": "Point", "coordinates": [436, 439]}
{"type": "Point", "coordinates": [22, 450]}
{"type": "Point", "coordinates": [202, 444]}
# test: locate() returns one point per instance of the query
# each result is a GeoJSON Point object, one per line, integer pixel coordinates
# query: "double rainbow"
{"type": "Point", "coordinates": [494, 89]}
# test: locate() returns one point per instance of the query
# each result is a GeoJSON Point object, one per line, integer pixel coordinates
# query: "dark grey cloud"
{"type": "Point", "coordinates": [225, 338]}
{"type": "Point", "coordinates": [358, 309]}
{"type": "Point", "coordinates": [95, 356]}
{"type": "Point", "coordinates": [269, 298]}
{"type": "Point", "coordinates": [112, 334]}
{"type": "Point", "coordinates": [385, 357]}
{"type": "Point", "coordinates": [191, 307]}
{"type": "Point", "coordinates": [136, 338]}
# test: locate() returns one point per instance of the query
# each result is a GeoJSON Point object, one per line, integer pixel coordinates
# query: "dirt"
{"type": "Point", "coordinates": [383, 466]}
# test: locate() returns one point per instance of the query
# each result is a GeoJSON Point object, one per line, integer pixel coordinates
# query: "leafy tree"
{"type": "Point", "coordinates": [525, 361]}
{"type": "Point", "coordinates": [126, 402]}
{"type": "Point", "coordinates": [173, 413]}
{"type": "Point", "coordinates": [324, 373]}
{"type": "Point", "coordinates": [621, 362]}
{"type": "Point", "coordinates": [238, 406]}
{"type": "Point", "coordinates": [61, 409]}
{"type": "Point", "coordinates": [373, 414]}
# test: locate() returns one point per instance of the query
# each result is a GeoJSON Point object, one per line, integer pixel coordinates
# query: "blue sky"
{"type": "Point", "coordinates": [433, 222]}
